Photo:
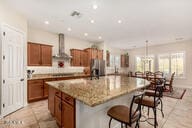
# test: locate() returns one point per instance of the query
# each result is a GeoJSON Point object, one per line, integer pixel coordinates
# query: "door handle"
{"type": "Point", "coordinates": [22, 79]}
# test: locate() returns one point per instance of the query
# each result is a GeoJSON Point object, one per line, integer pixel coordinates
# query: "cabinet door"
{"type": "Point", "coordinates": [46, 55]}
{"type": "Point", "coordinates": [45, 90]}
{"type": "Point", "coordinates": [100, 54]}
{"type": "Point", "coordinates": [58, 110]}
{"type": "Point", "coordinates": [35, 90]}
{"type": "Point", "coordinates": [51, 97]}
{"type": "Point", "coordinates": [94, 53]}
{"type": "Point", "coordinates": [34, 54]}
{"type": "Point", "coordinates": [84, 58]}
{"type": "Point", "coordinates": [122, 61]}
{"type": "Point", "coordinates": [76, 54]}
{"type": "Point", "coordinates": [68, 115]}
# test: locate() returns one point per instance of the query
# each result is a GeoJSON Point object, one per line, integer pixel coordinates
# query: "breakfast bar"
{"type": "Point", "coordinates": [82, 103]}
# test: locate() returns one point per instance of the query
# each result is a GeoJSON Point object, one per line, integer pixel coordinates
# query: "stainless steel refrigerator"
{"type": "Point", "coordinates": [98, 65]}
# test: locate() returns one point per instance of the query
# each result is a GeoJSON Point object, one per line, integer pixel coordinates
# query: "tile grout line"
{"type": "Point", "coordinates": [35, 116]}
{"type": "Point", "coordinates": [170, 113]}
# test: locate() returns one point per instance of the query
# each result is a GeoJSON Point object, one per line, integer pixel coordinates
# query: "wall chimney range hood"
{"type": "Point", "coordinates": [62, 55]}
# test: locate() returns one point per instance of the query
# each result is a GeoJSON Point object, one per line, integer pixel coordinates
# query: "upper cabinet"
{"type": "Point", "coordinates": [94, 53]}
{"type": "Point", "coordinates": [124, 60]}
{"type": "Point", "coordinates": [83, 57]}
{"type": "Point", "coordinates": [79, 57]}
{"type": "Point", "coordinates": [39, 54]}
{"type": "Point", "coordinates": [108, 58]}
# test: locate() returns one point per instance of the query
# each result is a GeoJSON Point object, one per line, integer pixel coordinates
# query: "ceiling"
{"type": "Point", "coordinates": [159, 21]}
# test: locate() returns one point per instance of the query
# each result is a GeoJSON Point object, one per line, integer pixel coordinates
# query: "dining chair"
{"type": "Point", "coordinates": [169, 83]}
{"type": "Point", "coordinates": [139, 74]}
{"type": "Point", "coordinates": [159, 73]}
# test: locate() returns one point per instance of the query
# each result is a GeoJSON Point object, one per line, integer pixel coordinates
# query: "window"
{"type": "Point", "coordinates": [174, 62]}
{"type": "Point", "coordinates": [164, 63]}
{"type": "Point", "coordinates": [177, 64]}
{"type": "Point", "coordinates": [141, 66]}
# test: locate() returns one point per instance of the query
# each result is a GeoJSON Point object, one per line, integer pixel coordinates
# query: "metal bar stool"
{"type": "Point", "coordinates": [127, 115]}
{"type": "Point", "coordinates": [152, 102]}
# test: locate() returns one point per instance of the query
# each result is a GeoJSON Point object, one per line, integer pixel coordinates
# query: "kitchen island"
{"type": "Point", "coordinates": [83, 103]}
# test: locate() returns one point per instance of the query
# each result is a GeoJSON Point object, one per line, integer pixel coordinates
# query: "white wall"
{"type": "Point", "coordinates": [168, 48]}
{"type": "Point", "coordinates": [40, 36]}
{"type": "Point", "coordinates": [16, 20]}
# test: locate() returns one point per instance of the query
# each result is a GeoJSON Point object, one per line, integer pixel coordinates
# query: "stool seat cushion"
{"type": "Point", "coordinates": [148, 101]}
{"type": "Point", "coordinates": [121, 113]}
{"type": "Point", "coordinates": [150, 93]}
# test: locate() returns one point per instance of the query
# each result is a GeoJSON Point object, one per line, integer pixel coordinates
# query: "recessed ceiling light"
{"type": "Point", "coordinates": [46, 22]}
{"type": "Point", "coordinates": [119, 21]}
{"type": "Point", "coordinates": [95, 6]}
{"type": "Point", "coordinates": [68, 29]}
{"type": "Point", "coordinates": [92, 21]}
{"type": "Point", "coordinates": [100, 37]}
{"type": "Point", "coordinates": [85, 34]}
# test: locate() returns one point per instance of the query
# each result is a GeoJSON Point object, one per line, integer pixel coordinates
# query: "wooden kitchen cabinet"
{"type": "Point", "coordinates": [76, 57]}
{"type": "Point", "coordinates": [35, 90]}
{"type": "Point", "coordinates": [68, 115]}
{"type": "Point", "coordinates": [51, 99]}
{"type": "Point", "coordinates": [39, 54]}
{"type": "Point", "coordinates": [94, 53]}
{"type": "Point", "coordinates": [34, 54]}
{"type": "Point", "coordinates": [124, 60]}
{"type": "Point", "coordinates": [79, 57]}
{"type": "Point", "coordinates": [46, 55]}
{"type": "Point", "coordinates": [108, 58]}
{"type": "Point", "coordinates": [84, 58]}
{"type": "Point", "coordinates": [100, 54]}
{"type": "Point", "coordinates": [58, 110]}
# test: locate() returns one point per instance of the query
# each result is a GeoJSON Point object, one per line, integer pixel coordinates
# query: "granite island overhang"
{"type": "Point", "coordinates": [94, 97]}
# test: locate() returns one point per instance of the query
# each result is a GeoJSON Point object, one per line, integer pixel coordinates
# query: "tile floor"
{"type": "Point", "coordinates": [178, 114]}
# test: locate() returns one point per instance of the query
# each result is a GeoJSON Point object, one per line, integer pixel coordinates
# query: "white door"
{"type": "Point", "coordinates": [12, 70]}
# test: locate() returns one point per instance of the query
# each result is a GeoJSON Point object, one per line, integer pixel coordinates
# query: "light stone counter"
{"type": "Point", "coordinates": [96, 92]}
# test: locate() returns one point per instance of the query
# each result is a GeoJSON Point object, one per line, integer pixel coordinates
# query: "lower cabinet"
{"type": "Point", "coordinates": [38, 89]}
{"type": "Point", "coordinates": [35, 90]}
{"type": "Point", "coordinates": [58, 110]}
{"type": "Point", "coordinates": [62, 107]}
{"type": "Point", "coordinates": [68, 115]}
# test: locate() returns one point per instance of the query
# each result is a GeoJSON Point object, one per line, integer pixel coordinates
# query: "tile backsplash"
{"type": "Point", "coordinates": [54, 69]}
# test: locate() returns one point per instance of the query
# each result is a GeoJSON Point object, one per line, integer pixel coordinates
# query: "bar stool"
{"type": "Point", "coordinates": [127, 115]}
{"type": "Point", "coordinates": [151, 93]}
{"type": "Point", "coordinates": [152, 100]}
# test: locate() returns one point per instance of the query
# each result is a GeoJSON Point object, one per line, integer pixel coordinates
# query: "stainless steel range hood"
{"type": "Point", "coordinates": [62, 55]}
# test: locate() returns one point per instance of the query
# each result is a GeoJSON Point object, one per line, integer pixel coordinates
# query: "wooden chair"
{"type": "Point", "coordinates": [169, 83]}
{"type": "Point", "coordinates": [159, 73]}
{"type": "Point", "coordinates": [127, 115]}
{"type": "Point", "coordinates": [138, 74]}
{"type": "Point", "coordinates": [153, 102]}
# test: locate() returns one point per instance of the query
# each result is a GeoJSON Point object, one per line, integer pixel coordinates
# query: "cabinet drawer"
{"type": "Point", "coordinates": [35, 81]}
{"type": "Point", "coordinates": [68, 99]}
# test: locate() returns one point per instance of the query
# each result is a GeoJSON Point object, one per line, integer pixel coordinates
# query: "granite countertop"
{"type": "Point", "coordinates": [59, 75]}
{"type": "Point", "coordinates": [95, 92]}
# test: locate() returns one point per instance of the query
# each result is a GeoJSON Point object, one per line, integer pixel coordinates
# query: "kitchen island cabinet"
{"type": "Point", "coordinates": [85, 101]}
